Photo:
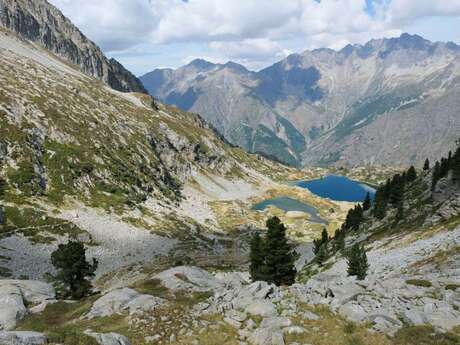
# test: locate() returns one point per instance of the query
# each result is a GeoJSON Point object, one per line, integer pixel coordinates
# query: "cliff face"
{"type": "Point", "coordinates": [42, 23]}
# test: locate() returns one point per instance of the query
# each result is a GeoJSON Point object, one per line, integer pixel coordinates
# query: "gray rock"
{"type": "Point", "coordinates": [121, 300]}
{"type": "Point", "coordinates": [267, 336]}
{"type": "Point", "coordinates": [294, 330]}
{"type": "Point", "coordinates": [188, 278]}
{"type": "Point", "coordinates": [308, 315]}
{"type": "Point", "coordinates": [22, 338]}
{"type": "Point", "coordinates": [275, 322]}
{"type": "Point", "coordinates": [14, 293]}
{"type": "Point", "coordinates": [261, 308]}
{"type": "Point", "coordinates": [108, 338]}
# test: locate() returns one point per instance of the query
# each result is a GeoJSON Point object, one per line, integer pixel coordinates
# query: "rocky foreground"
{"type": "Point", "coordinates": [413, 284]}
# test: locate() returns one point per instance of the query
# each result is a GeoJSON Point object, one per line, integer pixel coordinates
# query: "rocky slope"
{"type": "Point", "coordinates": [326, 107]}
{"type": "Point", "coordinates": [40, 22]}
{"type": "Point", "coordinates": [79, 159]}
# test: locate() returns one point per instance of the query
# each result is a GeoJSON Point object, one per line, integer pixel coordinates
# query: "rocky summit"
{"type": "Point", "coordinates": [127, 221]}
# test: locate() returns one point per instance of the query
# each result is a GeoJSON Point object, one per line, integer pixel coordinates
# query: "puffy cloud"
{"type": "Point", "coordinates": [402, 11]}
{"type": "Point", "coordinates": [113, 24]}
{"type": "Point", "coordinates": [247, 31]}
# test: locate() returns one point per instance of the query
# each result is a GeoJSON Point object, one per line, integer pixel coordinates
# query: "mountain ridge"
{"type": "Point", "coordinates": [42, 23]}
{"type": "Point", "coordinates": [321, 95]}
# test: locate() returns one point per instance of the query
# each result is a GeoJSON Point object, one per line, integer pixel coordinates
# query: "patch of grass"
{"type": "Point", "coordinates": [452, 286]}
{"type": "Point", "coordinates": [424, 335]}
{"type": "Point", "coordinates": [151, 287]}
{"type": "Point", "coordinates": [419, 282]}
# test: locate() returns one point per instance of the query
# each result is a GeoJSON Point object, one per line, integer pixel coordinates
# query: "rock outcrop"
{"type": "Point", "coordinates": [42, 23]}
{"type": "Point", "coordinates": [192, 279]}
{"type": "Point", "coordinates": [16, 294]}
{"type": "Point", "coordinates": [120, 300]}
{"type": "Point", "coordinates": [108, 338]}
{"type": "Point", "coordinates": [22, 338]}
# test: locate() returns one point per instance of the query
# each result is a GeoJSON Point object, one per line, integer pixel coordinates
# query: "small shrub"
{"type": "Point", "coordinates": [452, 286]}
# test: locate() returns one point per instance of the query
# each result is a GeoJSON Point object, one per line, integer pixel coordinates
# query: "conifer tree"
{"type": "Point", "coordinates": [324, 236]}
{"type": "Point", "coordinates": [339, 240]}
{"type": "Point", "coordinates": [2, 187]}
{"type": "Point", "coordinates": [411, 174]}
{"type": "Point", "coordinates": [357, 262]}
{"type": "Point", "coordinates": [257, 257]}
{"type": "Point", "coordinates": [380, 204]}
{"type": "Point", "coordinates": [279, 256]}
{"type": "Point", "coordinates": [399, 213]}
{"type": "Point", "coordinates": [436, 175]}
{"type": "Point", "coordinates": [367, 202]}
{"type": "Point", "coordinates": [322, 254]}
{"type": "Point", "coordinates": [73, 269]}
{"type": "Point", "coordinates": [426, 166]}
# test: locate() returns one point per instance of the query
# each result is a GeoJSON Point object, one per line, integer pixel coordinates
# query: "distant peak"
{"type": "Point", "coordinates": [235, 66]}
{"type": "Point", "coordinates": [201, 64]}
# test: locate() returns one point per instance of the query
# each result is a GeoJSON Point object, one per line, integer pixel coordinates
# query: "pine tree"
{"type": "Point", "coordinates": [380, 204]}
{"type": "Point", "coordinates": [426, 166]}
{"type": "Point", "coordinates": [399, 213]}
{"type": "Point", "coordinates": [322, 254]}
{"type": "Point", "coordinates": [411, 174]}
{"type": "Point", "coordinates": [73, 269]}
{"type": "Point", "coordinates": [357, 262]}
{"type": "Point", "coordinates": [339, 240]}
{"type": "Point", "coordinates": [317, 243]}
{"type": "Point", "coordinates": [3, 187]}
{"type": "Point", "coordinates": [436, 175]}
{"type": "Point", "coordinates": [367, 202]}
{"type": "Point", "coordinates": [279, 256]}
{"type": "Point", "coordinates": [256, 268]}
{"type": "Point", "coordinates": [324, 236]}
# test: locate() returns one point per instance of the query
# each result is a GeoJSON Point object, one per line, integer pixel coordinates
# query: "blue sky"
{"type": "Point", "coordinates": [147, 34]}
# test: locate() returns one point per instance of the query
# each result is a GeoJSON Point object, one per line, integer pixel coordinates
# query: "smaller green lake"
{"type": "Point", "coordinates": [288, 204]}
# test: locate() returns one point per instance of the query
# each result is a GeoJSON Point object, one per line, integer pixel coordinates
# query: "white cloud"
{"type": "Point", "coordinates": [113, 24]}
{"type": "Point", "coordinates": [249, 31]}
{"type": "Point", "coordinates": [402, 11]}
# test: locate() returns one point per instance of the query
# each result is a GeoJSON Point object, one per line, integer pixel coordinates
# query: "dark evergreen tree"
{"type": "Point", "coordinates": [279, 256]}
{"type": "Point", "coordinates": [357, 262]}
{"type": "Point", "coordinates": [339, 240]}
{"type": "Point", "coordinates": [3, 187]}
{"type": "Point", "coordinates": [74, 271]}
{"type": "Point", "coordinates": [367, 202]}
{"type": "Point", "coordinates": [399, 213]}
{"type": "Point", "coordinates": [426, 166]}
{"type": "Point", "coordinates": [257, 257]}
{"type": "Point", "coordinates": [317, 243]}
{"type": "Point", "coordinates": [411, 174]}
{"type": "Point", "coordinates": [436, 175]}
{"type": "Point", "coordinates": [322, 254]}
{"type": "Point", "coordinates": [455, 164]}
{"type": "Point", "coordinates": [380, 204]}
{"type": "Point", "coordinates": [396, 189]}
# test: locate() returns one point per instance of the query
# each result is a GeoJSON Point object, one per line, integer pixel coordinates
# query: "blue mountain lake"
{"type": "Point", "coordinates": [339, 188]}
{"type": "Point", "coordinates": [288, 204]}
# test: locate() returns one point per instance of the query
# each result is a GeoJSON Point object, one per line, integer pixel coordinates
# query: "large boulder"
{"type": "Point", "coordinates": [188, 278]}
{"type": "Point", "coordinates": [125, 299]}
{"type": "Point", "coordinates": [261, 308]}
{"type": "Point", "coordinates": [15, 294]}
{"type": "Point", "coordinates": [108, 338]}
{"type": "Point", "coordinates": [22, 338]}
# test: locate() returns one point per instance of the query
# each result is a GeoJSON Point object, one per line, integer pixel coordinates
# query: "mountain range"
{"type": "Point", "coordinates": [390, 101]}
